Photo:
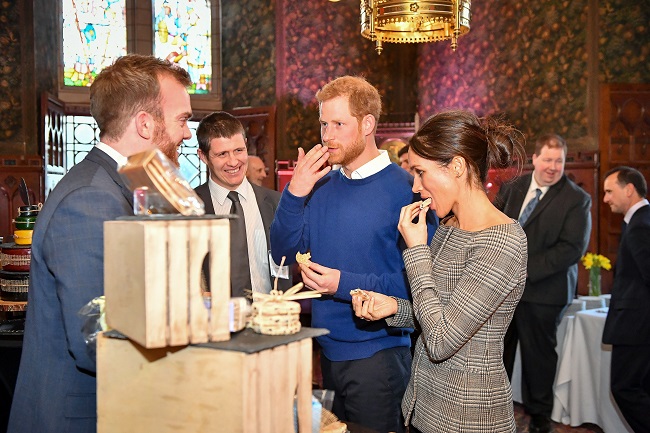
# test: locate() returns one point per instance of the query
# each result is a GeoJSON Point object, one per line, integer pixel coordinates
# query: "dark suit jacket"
{"type": "Point", "coordinates": [267, 202]}
{"type": "Point", "coordinates": [55, 390]}
{"type": "Point", "coordinates": [628, 321]}
{"type": "Point", "coordinates": [558, 233]}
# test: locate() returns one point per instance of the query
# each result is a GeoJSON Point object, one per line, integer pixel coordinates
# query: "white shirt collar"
{"type": "Point", "coordinates": [634, 208]}
{"type": "Point", "coordinates": [220, 193]}
{"type": "Point", "coordinates": [534, 185]}
{"type": "Point", "coordinates": [371, 167]}
{"type": "Point", "coordinates": [114, 154]}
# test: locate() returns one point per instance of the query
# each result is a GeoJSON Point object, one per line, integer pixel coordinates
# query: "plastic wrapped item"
{"type": "Point", "coordinates": [94, 322]}
{"type": "Point", "coordinates": [158, 186]}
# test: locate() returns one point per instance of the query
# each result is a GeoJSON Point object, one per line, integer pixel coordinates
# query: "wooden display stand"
{"type": "Point", "coordinates": [152, 279]}
{"type": "Point", "coordinates": [246, 385]}
{"type": "Point", "coordinates": [150, 379]}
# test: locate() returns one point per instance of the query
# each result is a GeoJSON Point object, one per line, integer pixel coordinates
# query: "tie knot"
{"type": "Point", "coordinates": [233, 196]}
{"type": "Point", "coordinates": [538, 193]}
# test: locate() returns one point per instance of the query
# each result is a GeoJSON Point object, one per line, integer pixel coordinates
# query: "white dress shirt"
{"type": "Point", "coordinates": [255, 235]}
{"type": "Point", "coordinates": [371, 167]}
{"type": "Point", "coordinates": [531, 193]}
{"type": "Point", "coordinates": [634, 208]}
{"type": "Point", "coordinates": [114, 154]}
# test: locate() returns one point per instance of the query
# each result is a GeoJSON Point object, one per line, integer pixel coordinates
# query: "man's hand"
{"type": "Point", "coordinates": [308, 170]}
{"type": "Point", "coordinates": [323, 279]}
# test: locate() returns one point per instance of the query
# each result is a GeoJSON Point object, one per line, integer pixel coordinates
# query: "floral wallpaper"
{"type": "Point", "coordinates": [624, 41]}
{"type": "Point", "coordinates": [10, 74]}
{"type": "Point", "coordinates": [248, 53]}
{"type": "Point", "coordinates": [323, 42]}
{"type": "Point", "coordinates": [522, 58]}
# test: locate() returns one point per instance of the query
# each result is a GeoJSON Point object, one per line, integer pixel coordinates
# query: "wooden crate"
{"type": "Point", "coordinates": [152, 279]}
{"type": "Point", "coordinates": [246, 385]}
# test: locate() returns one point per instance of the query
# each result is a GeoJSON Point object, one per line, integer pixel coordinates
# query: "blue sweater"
{"type": "Point", "coordinates": [350, 225]}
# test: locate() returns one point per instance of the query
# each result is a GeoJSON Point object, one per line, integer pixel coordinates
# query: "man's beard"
{"type": "Point", "coordinates": [352, 152]}
{"type": "Point", "coordinates": [164, 142]}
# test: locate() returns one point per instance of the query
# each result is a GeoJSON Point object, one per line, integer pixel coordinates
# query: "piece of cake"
{"type": "Point", "coordinates": [362, 293]}
{"type": "Point", "coordinates": [303, 259]}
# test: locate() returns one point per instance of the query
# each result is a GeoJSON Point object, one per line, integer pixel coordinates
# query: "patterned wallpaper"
{"type": "Point", "coordinates": [248, 53]}
{"type": "Point", "coordinates": [624, 41]}
{"type": "Point", "coordinates": [523, 58]}
{"type": "Point", "coordinates": [10, 74]}
{"type": "Point", "coordinates": [322, 43]}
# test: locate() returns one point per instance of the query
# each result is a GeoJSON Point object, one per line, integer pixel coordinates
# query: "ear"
{"type": "Point", "coordinates": [202, 156]}
{"type": "Point", "coordinates": [368, 124]}
{"type": "Point", "coordinates": [458, 165]}
{"type": "Point", "coordinates": [145, 124]}
{"type": "Point", "coordinates": [629, 190]}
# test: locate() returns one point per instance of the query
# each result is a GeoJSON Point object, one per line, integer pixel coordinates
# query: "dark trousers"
{"type": "Point", "coordinates": [534, 327]}
{"type": "Point", "coordinates": [369, 391]}
{"type": "Point", "coordinates": [630, 384]}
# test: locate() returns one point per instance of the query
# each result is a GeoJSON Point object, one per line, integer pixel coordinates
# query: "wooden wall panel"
{"type": "Point", "coordinates": [624, 139]}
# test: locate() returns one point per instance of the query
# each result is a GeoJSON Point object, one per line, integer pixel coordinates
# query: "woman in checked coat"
{"type": "Point", "coordinates": [465, 285]}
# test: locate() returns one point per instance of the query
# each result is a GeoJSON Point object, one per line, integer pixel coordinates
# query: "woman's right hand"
{"type": "Point", "coordinates": [413, 233]}
{"type": "Point", "coordinates": [379, 306]}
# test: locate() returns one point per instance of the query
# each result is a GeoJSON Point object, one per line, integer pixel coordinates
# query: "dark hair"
{"type": "Point", "coordinates": [130, 85]}
{"type": "Point", "coordinates": [484, 143]}
{"type": "Point", "coordinates": [217, 125]}
{"type": "Point", "coordinates": [552, 141]}
{"type": "Point", "coordinates": [363, 97]}
{"type": "Point", "coordinates": [630, 175]}
{"type": "Point", "coordinates": [402, 151]}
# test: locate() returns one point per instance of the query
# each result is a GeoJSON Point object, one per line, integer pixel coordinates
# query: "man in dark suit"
{"type": "Point", "coordinates": [627, 327]}
{"type": "Point", "coordinates": [139, 103]}
{"type": "Point", "coordinates": [222, 147]}
{"type": "Point", "coordinates": [555, 214]}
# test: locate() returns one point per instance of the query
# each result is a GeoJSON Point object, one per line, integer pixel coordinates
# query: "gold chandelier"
{"type": "Point", "coordinates": [399, 21]}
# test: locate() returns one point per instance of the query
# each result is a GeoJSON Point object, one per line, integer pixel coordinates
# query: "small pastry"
{"type": "Point", "coordinates": [303, 259]}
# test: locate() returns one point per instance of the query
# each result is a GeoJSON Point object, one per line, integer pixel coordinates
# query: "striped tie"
{"type": "Point", "coordinates": [530, 207]}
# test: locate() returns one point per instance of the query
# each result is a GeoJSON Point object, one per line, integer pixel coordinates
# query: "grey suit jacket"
{"type": "Point", "coordinates": [267, 202]}
{"type": "Point", "coordinates": [558, 235]}
{"type": "Point", "coordinates": [55, 390]}
{"type": "Point", "coordinates": [628, 321]}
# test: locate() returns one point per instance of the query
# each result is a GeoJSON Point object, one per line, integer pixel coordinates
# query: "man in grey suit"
{"type": "Point", "coordinates": [627, 327]}
{"type": "Point", "coordinates": [139, 103]}
{"type": "Point", "coordinates": [222, 147]}
{"type": "Point", "coordinates": [555, 214]}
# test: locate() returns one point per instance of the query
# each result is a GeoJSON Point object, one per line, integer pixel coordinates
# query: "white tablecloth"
{"type": "Point", "coordinates": [581, 388]}
{"type": "Point", "coordinates": [576, 305]}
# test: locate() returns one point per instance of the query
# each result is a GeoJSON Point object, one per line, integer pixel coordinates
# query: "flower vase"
{"type": "Point", "coordinates": [594, 281]}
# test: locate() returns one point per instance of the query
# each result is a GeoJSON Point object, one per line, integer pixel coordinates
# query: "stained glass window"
{"type": "Point", "coordinates": [182, 34]}
{"type": "Point", "coordinates": [82, 134]}
{"type": "Point", "coordinates": [94, 35]}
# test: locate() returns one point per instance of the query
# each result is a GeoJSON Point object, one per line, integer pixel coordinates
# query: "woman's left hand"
{"type": "Point", "coordinates": [379, 306]}
{"type": "Point", "coordinates": [413, 233]}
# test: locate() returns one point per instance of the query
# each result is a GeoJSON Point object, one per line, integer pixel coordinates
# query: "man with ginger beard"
{"type": "Point", "coordinates": [222, 147]}
{"type": "Point", "coordinates": [347, 219]}
{"type": "Point", "coordinates": [136, 102]}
